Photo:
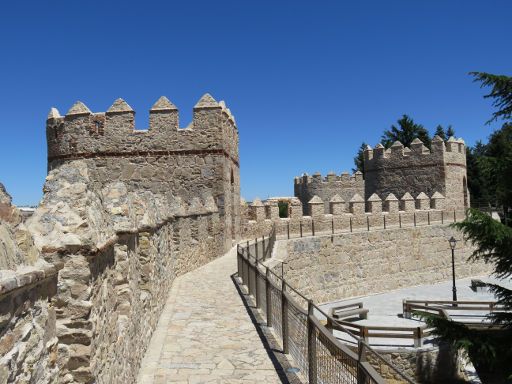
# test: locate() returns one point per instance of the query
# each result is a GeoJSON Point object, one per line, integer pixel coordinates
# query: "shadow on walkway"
{"type": "Point", "coordinates": [272, 347]}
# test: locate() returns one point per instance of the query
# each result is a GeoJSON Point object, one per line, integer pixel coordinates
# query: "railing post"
{"type": "Point", "coordinates": [256, 247]}
{"type": "Point", "coordinates": [268, 297]}
{"type": "Point", "coordinates": [361, 358]}
{"type": "Point", "coordinates": [257, 285]}
{"type": "Point", "coordinates": [311, 346]}
{"type": "Point", "coordinates": [312, 227]}
{"type": "Point", "coordinates": [364, 334]}
{"type": "Point", "coordinates": [249, 276]}
{"type": "Point", "coordinates": [263, 251]}
{"type": "Point", "coordinates": [418, 337]}
{"type": "Point", "coordinates": [284, 316]}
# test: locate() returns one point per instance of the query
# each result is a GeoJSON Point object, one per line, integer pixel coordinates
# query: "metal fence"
{"type": "Point", "coordinates": [320, 357]}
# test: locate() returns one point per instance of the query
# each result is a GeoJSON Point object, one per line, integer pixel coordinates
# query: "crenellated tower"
{"type": "Point", "coordinates": [199, 160]}
{"type": "Point", "coordinates": [344, 185]}
{"type": "Point", "coordinates": [417, 169]}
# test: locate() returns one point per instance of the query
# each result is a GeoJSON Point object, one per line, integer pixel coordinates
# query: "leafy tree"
{"type": "Point", "coordinates": [450, 131]}
{"type": "Point", "coordinates": [359, 159]}
{"type": "Point", "coordinates": [405, 131]}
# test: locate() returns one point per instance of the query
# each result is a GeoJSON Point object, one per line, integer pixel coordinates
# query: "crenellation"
{"type": "Point", "coordinates": [422, 201]}
{"type": "Point", "coordinates": [407, 203]}
{"type": "Point", "coordinates": [316, 206]}
{"type": "Point", "coordinates": [344, 185]}
{"type": "Point", "coordinates": [374, 204]}
{"type": "Point", "coordinates": [391, 204]}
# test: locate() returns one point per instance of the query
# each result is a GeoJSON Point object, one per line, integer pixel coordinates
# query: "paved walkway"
{"type": "Point", "coordinates": [205, 334]}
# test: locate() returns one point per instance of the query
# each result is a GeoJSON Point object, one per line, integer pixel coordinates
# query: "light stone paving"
{"type": "Point", "coordinates": [205, 334]}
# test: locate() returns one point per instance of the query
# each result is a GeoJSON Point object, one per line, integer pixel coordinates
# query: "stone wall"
{"type": "Point", "coordinates": [417, 169]}
{"type": "Point", "coordinates": [327, 268]}
{"type": "Point", "coordinates": [344, 185]}
{"type": "Point", "coordinates": [121, 250]}
{"type": "Point", "coordinates": [28, 342]}
{"type": "Point", "coordinates": [197, 161]}
{"type": "Point", "coordinates": [355, 215]}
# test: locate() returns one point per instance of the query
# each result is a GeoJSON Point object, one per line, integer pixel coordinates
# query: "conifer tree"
{"type": "Point", "coordinates": [405, 131]}
{"type": "Point", "coordinates": [490, 352]}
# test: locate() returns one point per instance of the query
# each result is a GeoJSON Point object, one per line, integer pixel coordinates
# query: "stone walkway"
{"type": "Point", "coordinates": [205, 333]}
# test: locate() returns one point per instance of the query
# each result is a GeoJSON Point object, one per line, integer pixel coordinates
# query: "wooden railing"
{"type": "Point", "coordinates": [320, 356]}
{"type": "Point", "coordinates": [441, 308]}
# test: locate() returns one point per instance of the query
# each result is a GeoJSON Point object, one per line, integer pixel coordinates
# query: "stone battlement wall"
{"type": "Point", "coordinates": [120, 251]}
{"type": "Point", "coordinates": [417, 169]}
{"type": "Point", "coordinates": [372, 214]}
{"type": "Point", "coordinates": [83, 134]}
{"type": "Point", "coordinates": [194, 162]}
{"type": "Point", "coordinates": [345, 185]}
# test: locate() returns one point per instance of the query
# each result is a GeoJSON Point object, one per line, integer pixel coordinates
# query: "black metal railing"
{"type": "Point", "coordinates": [320, 357]}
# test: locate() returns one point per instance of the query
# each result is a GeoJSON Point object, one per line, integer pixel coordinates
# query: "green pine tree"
{"type": "Point", "coordinates": [405, 131]}
{"type": "Point", "coordinates": [490, 350]}
{"type": "Point", "coordinates": [359, 159]}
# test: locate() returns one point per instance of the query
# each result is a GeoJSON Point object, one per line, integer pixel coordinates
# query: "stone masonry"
{"type": "Point", "coordinates": [201, 159]}
{"type": "Point", "coordinates": [397, 170]}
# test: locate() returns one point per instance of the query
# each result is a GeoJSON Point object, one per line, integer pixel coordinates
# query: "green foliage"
{"type": "Point", "coordinates": [283, 209]}
{"type": "Point", "coordinates": [444, 133]}
{"type": "Point", "coordinates": [359, 159]}
{"type": "Point", "coordinates": [501, 93]}
{"type": "Point", "coordinates": [491, 165]}
{"type": "Point", "coordinates": [405, 131]}
{"type": "Point", "coordinates": [489, 350]}
{"type": "Point", "coordinates": [440, 132]}
{"type": "Point", "coordinates": [493, 242]}
{"type": "Point", "coordinates": [479, 185]}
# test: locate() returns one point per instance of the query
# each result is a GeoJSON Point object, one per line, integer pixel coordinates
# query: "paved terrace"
{"type": "Point", "coordinates": [385, 309]}
{"type": "Point", "coordinates": [206, 334]}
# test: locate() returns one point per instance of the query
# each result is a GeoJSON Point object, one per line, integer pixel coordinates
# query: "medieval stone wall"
{"type": "Point", "coordinates": [366, 262]}
{"type": "Point", "coordinates": [344, 185]}
{"type": "Point", "coordinates": [197, 161]}
{"type": "Point", "coordinates": [28, 342]}
{"type": "Point", "coordinates": [417, 169]}
{"type": "Point", "coordinates": [120, 250]}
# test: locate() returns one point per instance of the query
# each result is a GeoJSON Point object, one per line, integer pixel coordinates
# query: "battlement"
{"type": "Point", "coordinates": [417, 151]}
{"type": "Point", "coordinates": [331, 177]}
{"type": "Point", "coordinates": [82, 133]}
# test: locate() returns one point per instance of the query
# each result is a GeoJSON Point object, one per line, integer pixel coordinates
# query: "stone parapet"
{"type": "Point", "coordinates": [120, 250]}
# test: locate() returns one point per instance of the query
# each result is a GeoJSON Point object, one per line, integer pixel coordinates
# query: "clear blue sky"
{"type": "Point", "coordinates": [307, 81]}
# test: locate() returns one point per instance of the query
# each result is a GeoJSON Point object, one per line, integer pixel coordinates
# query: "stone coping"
{"type": "Point", "coordinates": [27, 276]}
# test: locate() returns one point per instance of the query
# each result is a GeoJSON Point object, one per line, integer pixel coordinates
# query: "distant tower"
{"type": "Point", "coordinates": [417, 169]}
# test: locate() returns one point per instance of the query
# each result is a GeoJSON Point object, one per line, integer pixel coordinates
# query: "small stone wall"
{"type": "Point", "coordinates": [346, 265]}
{"type": "Point", "coordinates": [433, 364]}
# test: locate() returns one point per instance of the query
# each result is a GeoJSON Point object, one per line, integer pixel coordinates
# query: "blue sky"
{"type": "Point", "coordinates": [307, 81]}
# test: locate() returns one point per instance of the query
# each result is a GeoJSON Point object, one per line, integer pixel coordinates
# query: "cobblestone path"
{"type": "Point", "coordinates": [205, 334]}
